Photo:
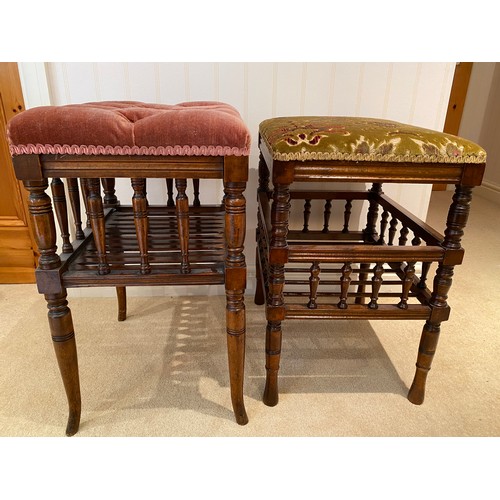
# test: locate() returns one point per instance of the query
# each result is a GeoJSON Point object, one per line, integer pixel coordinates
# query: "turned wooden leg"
{"type": "Point", "coordinates": [63, 338]}
{"type": "Point", "coordinates": [60, 322]}
{"type": "Point", "coordinates": [455, 224]}
{"type": "Point", "coordinates": [264, 175]}
{"type": "Point", "coordinates": [275, 307]}
{"type": "Point", "coordinates": [235, 284]}
{"type": "Point", "coordinates": [426, 351]}
{"type": "Point", "coordinates": [121, 295]}
{"type": "Point", "coordinates": [235, 328]}
{"type": "Point", "coordinates": [260, 297]}
{"type": "Point", "coordinates": [273, 354]}
{"type": "Point", "coordinates": [430, 333]}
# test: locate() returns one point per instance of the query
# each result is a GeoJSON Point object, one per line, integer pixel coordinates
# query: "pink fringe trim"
{"type": "Point", "coordinates": [23, 149]}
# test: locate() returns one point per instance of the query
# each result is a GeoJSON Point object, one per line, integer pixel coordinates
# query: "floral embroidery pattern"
{"type": "Point", "coordinates": [312, 140]}
{"type": "Point", "coordinates": [363, 139]}
{"type": "Point", "coordinates": [364, 146]}
{"type": "Point", "coordinates": [299, 131]}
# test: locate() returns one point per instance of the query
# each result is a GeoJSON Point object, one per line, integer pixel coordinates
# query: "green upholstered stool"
{"type": "Point", "coordinates": [351, 139]}
{"type": "Point", "coordinates": [377, 270]}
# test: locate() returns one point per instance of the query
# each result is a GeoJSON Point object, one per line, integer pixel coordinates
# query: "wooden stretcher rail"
{"type": "Point", "coordinates": [363, 253]}
{"type": "Point", "coordinates": [356, 311]}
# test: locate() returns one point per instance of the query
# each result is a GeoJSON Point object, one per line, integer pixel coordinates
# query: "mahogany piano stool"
{"type": "Point", "coordinates": [377, 270]}
{"type": "Point", "coordinates": [138, 244]}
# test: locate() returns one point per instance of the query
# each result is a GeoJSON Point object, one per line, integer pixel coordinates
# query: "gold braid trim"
{"type": "Point", "coordinates": [408, 158]}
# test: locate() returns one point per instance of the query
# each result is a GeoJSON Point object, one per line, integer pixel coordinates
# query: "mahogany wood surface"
{"type": "Point", "coordinates": [379, 272]}
{"type": "Point", "coordinates": [138, 244]}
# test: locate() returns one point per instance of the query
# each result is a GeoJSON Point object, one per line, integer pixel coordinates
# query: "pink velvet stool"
{"type": "Point", "coordinates": [178, 243]}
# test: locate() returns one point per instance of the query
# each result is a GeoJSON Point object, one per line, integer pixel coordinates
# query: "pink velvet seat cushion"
{"type": "Point", "coordinates": [200, 128]}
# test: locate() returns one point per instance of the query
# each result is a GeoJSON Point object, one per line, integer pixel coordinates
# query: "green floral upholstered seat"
{"type": "Point", "coordinates": [303, 138]}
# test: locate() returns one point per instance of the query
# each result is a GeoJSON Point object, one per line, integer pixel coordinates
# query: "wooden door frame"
{"type": "Point", "coordinates": [456, 104]}
{"type": "Point", "coordinates": [12, 103]}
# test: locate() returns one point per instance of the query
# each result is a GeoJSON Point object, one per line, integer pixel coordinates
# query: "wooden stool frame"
{"type": "Point", "coordinates": [96, 257]}
{"type": "Point", "coordinates": [361, 258]}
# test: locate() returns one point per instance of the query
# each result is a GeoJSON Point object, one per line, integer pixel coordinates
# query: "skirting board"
{"type": "Point", "coordinates": [488, 190]}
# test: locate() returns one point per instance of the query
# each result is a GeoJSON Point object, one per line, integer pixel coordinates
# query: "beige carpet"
{"type": "Point", "coordinates": [163, 372]}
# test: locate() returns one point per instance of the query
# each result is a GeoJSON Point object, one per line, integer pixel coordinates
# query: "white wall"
{"type": "Point", "coordinates": [477, 100]}
{"type": "Point", "coordinates": [480, 122]}
{"type": "Point", "coordinates": [490, 132]}
{"type": "Point", "coordinates": [415, 93]}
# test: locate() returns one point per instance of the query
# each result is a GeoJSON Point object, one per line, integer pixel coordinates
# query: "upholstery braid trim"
{"type": "Point", "coordinates": [307, 156]}
{"type": "Point", "coordinates": [74, 149]}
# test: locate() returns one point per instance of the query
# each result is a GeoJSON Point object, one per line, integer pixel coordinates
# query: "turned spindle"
{"type": "Point", "coordinates": [347, 216]}
{"type": "Point", "coordinates": [140, 208]}
{"type": "Point", "coordinates": [61, 209]}
{"type": "Point", "coordinates": [74, 201]}
{"type": "Point", "coordinates": [96, 218]}
{"type": "Point", "coordinates": [313, 285]}
{"type": "Point", "coordinates": [376, 284]}
{"type": "Point", "coordinates": [345, 281]}
{"type": "Point", "coordinates": [326, 216]}
{"type": "Point", "coordinates": [182, 212]}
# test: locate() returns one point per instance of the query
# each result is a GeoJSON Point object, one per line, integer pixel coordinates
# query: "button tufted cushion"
{"type": "Point", "coordinates": [363, 139]}
{"type": "Point", "coordinates": [130, 128]}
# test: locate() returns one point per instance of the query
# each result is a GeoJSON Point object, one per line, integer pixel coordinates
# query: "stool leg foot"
{"type": "Point", "coordinates": [416, 394]}
{"type": "Point", "coordinates": [121, 294]}
{"type": "Point", "coordinates": [273, 354]}
{"type": "Point", "coordinates": [236, 358]}
{"type": "Point", "coordinates": [63, 338]}
{"type": "Point", "coordinates": [73, 423]}
{"type": "Point", "coordinates": [426, 351]}
{"type": "Point", "coordinates": [271, 397]}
